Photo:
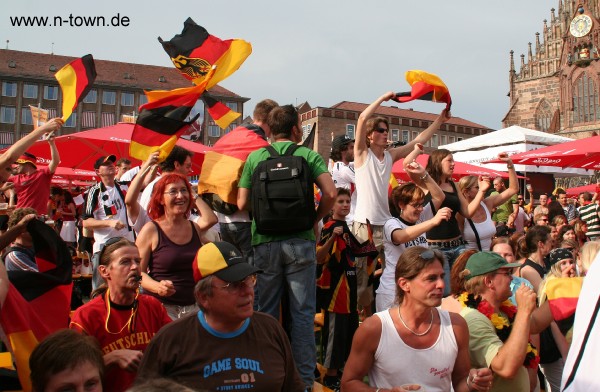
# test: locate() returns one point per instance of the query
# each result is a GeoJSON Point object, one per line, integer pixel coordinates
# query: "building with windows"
{"type": "Point", "coordinates": [28, 79]}
{"type": "Point", "coordinates": [556, 87]}
{"type": "Point", "coordinates": [405, 125]}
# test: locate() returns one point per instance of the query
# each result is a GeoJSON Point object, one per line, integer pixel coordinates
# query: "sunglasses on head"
{"type": "Point", "coordinates": [381, 130]}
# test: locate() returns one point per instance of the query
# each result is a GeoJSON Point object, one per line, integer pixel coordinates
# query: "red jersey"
{"type": "Point", "coordinates": [33, 190]}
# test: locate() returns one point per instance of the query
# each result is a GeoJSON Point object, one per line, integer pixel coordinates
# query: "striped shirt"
{"type": "Point", "coordinates": [589, 214]}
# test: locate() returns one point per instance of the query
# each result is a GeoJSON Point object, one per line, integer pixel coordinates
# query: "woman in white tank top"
{"type": "Point", "coordinates": [415, 343]}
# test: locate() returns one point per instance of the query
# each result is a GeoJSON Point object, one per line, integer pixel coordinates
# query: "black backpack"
{"type": "Point", "coordinates": [283, 194]}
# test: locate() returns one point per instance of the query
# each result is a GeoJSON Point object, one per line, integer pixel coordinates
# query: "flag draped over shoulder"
{"type": "Point", "coordinates": [162, 120]}
{"type": "Point", "coordinates": [195, 51]}
{"type": "Point", "coordinates": [75, 80]}
{"type": "Point", "coordinates": [425, 86]}
{"type": "Point", "coordinates": [563, 295]}
{"type": "Point", "coordinates": [220, 113]}
{"type": "Point", "coordinates": [223, 165]}
{"type": "Point", "coordinates": [37, 303]}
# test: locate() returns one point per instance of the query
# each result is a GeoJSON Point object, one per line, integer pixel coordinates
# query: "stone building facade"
{"type": "Point", "coordinates": [556, 88]}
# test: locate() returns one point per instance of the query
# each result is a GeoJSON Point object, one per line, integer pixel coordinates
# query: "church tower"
{"type": "Point", "coordinates": [556, 88]}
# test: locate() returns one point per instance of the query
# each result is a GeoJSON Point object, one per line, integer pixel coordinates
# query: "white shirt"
{"type": "Point", "coordinates": [372, 183]}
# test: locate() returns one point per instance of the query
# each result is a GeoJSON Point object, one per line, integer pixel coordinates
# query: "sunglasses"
{"type": "Point", "coordinates": [381, 130]}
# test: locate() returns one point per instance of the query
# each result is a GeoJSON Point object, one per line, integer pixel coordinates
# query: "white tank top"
{"type": "Point", "coordinates": [396, 363]}
{"type": "Point", "coordinates": [486, 231]}
{"type": "Point", "coordinates": [372, 182]}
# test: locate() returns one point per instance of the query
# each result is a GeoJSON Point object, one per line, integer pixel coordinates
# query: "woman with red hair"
{"type": "Point", "coordinates": [168, 245]}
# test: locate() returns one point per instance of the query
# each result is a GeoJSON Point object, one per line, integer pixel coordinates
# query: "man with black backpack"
{"type": "Point", "coordinates": [277, 183]}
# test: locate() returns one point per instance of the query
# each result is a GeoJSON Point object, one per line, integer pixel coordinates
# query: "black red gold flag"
{"type": "Point", "coordinates": [223, 165]}
{"type": "Point", "coordinates": [220, 113]}
{"type": "Point", "coordinates": [75, 80]}
{"type": "Point", "coordinates": [37, 303]}
{"type": "Point", "coordinates": [162, 120]}
{"type": "Point", "coordinates": [425, 86]}
{"type": "Point", "coordinates": [194, 52]}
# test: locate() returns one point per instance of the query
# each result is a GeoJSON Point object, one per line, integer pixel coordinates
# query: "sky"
{"type": "Point", "coordinates": [320, 51]}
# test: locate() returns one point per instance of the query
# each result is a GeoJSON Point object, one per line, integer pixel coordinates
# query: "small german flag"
{"type": "Point", "coordinates": [220, 113]}
{"type": "Point", "coordinates": [425, 86]}
{"type": "Point", "coordinates": [162, 120]}
{"type": "Point", "coordinates": [75, 80]}
{"type": "Point", "coordinates": [194, 52]}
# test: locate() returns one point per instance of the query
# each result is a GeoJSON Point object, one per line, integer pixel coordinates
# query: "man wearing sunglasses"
{"type": "Point", "coordinates": [226, 345]}
{"type": "Point", "coordinates": [373, 167]}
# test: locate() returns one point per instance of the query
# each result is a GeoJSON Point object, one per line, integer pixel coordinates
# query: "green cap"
{"type": "Point", "coordinates": [482, 263]}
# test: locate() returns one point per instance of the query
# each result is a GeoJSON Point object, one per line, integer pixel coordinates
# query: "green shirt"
{"type": "Point", "coordinates": [317, 167]}
{"type": "Point", "coordinates": [484, 345]}
{"type": "Point", "coordinates": [504, 210]}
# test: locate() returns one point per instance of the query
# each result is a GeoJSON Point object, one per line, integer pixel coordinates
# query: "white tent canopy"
{"type": "Point", "coordinates": [511, 140]}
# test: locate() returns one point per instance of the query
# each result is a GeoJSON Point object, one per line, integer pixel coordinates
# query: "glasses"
{"type": "Point", "coordinates": [381, 130]}
{"type": "Point", "coordinates": [175, 192]}
{"type": "Point", "coordinates": [232, 287]}
{"type": "Point", "coordinates": [507, 273]}
{"type": "Point", "coordinates": [416, 204]}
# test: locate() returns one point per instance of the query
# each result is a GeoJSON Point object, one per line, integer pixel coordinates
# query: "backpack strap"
{"type": "Point", "coordinates": [476, 234]}
{"type": "Point", "coordinates": [271, 151]}
{"type": "Point", "coordinates": [291, 149]}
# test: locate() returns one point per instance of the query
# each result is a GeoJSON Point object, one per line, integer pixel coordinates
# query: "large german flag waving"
{"type": "Point", "coordinates": [194, 52]}
{"type": "Point", "coordinates": [162, 120]}
{"type": "Point", "coordinates": [37, 303]}
{"type": "Point", "coordinates": [75, 80]}
{"type": "Point", "coordinates": [425, 86]}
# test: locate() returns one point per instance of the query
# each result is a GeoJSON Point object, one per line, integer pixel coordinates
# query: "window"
{"type": "Point", "coordinates": [30, 90]}
{"type": "Point", "coordinates": [126, 99]}
{"type": "Point", "coordinates": [144, 99]}
{"type": "Point", "coordinates": [214, 131]}
{"type": "Point", "coordinates": [434, 141]}
{"type": "Point", "coordinates": [458, 139]}
{"type": "Point", "coordinates": [6, 138]}
{"type": "Point", "coordinates": [350, 130]}
{"type": "Point", "coordinates": [443, 142]}
{"type": "Point", "coordinates": [306, 130]}
{"type": "Point", "coordinates": [109, 97]}
{"type": "Point", "coordinates": [232, 105]}
{"type": "Point", "coordinates": [91, 97]}
{"type": "Point", "coordinates": [405, 136]}
{"type": "Point", "coordinates": [9, 89]}
{"type": "Point", "coordinates": [415, 134]}
{"type": "Point", "coordinates": [585, 100]}
{"type": "Point", "coordinates": [88, 119]}
{"type": "Point", "coordinates": [26, 117]}
{"type": "Point", "coordinates": [71, 121]}
{"type": "Point", "coordinates": [7, 114]}
{"type": "Point", "coordinates": [51, 93]}
{"type": "Point", "coordinates": [543, 116]}
{"type": "Point", "coordinates": [452, 139]}
{"type": "Point", "coordinates": [395, 135]}
{"type": "Point", "coordinates": [108, 119]}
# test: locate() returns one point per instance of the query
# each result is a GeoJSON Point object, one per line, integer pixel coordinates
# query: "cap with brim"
{"type": "Point", "coordinates": [102, 160]}
{"type": "Point", "coordinates": [559, 254]}
{"type": "Point", "coordinates": [482, 263]}
{"type": "Point", "coordinates": [340, 141]}
{"type": "Point", "coordinates": [27, 158]}
{"type": "Point", "coordinates": [222, 260]}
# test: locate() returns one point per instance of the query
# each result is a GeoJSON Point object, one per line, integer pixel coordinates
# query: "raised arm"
{"type": "Point", "coordinates": [207, 216]}
{"type": "Point", "coordinates": [513, 184]}
{"type": "Point", "coordinates": [360, 140]}
{"type": "Point", "coordinates": [402, 236]}
{"type": "Point", "coordinates": [422, 138]}
{"type": "Point", "coordinates": [421, 178]}
{"type": "Point", "coordinates": [17, 149]}
{"type": "Point", "coordinates": [135, 187]}
{"type": "Point", "coordinates": [54, 155]}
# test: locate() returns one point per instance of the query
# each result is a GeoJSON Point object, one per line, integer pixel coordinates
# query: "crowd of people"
{"type": "Point", "coordinates": [432, 285]}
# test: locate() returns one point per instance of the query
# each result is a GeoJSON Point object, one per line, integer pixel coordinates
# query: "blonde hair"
{"type": "Point", "coordinates": [587, 254]}
{"type": "Point", "coordinates": [467, 182]}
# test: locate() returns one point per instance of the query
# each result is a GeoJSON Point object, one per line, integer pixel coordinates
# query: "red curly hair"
{"type": "Point", "coordinates": [155, 207]}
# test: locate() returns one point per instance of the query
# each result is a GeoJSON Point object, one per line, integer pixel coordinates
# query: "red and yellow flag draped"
{"type": "Point", "coordinates": [37, 303]}
{"type": "Point", "coordinates": [194, 52]}
{"type": "Point", "coordinates": [75, 80]}
{"type": "Point", "coordinates": [162, 120]}
{"type": "Point", "coordinates": [425, 86]}
{"type": "Point", "coordinates": [220, 113]}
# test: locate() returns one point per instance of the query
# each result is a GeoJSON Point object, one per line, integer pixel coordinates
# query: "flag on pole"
{"type": "Point", "coordinates": [162, 120]}
{"type": "Point", "coordinates": [75, 80]}
{"type": "Point", "coordinates": [195, 51]}
{"type": "Point", "coordinates": [220, 113]}
{"type": "Point", "coordinates": [39, 116]}
{"type": "Point", "coordinates": [425, 86]}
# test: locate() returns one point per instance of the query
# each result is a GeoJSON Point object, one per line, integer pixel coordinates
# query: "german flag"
{"type": "Point", "coordinates": [425, 86]}
{"type": "Point", "coordinates": [223, 165]}
{"type": "Point", "coordinates": [194, 52]}
{"type": "Point", "coordinates": [37, 303]}
{"type": "Point", "coordinates": [220, 113]}
{"type": "Point", "coordinates": [162, 120]}
{"type": "Point", "coordinates": [75, 80]}
{"type": "Point", "coordinates": [563, 295]}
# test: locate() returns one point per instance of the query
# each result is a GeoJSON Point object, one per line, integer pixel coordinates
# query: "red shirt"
{"type": "Point", "coordinates": [33, 190]}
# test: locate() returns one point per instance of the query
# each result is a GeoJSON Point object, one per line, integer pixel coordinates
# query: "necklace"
{"type": "Point", "coordinates": [413, 332]}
